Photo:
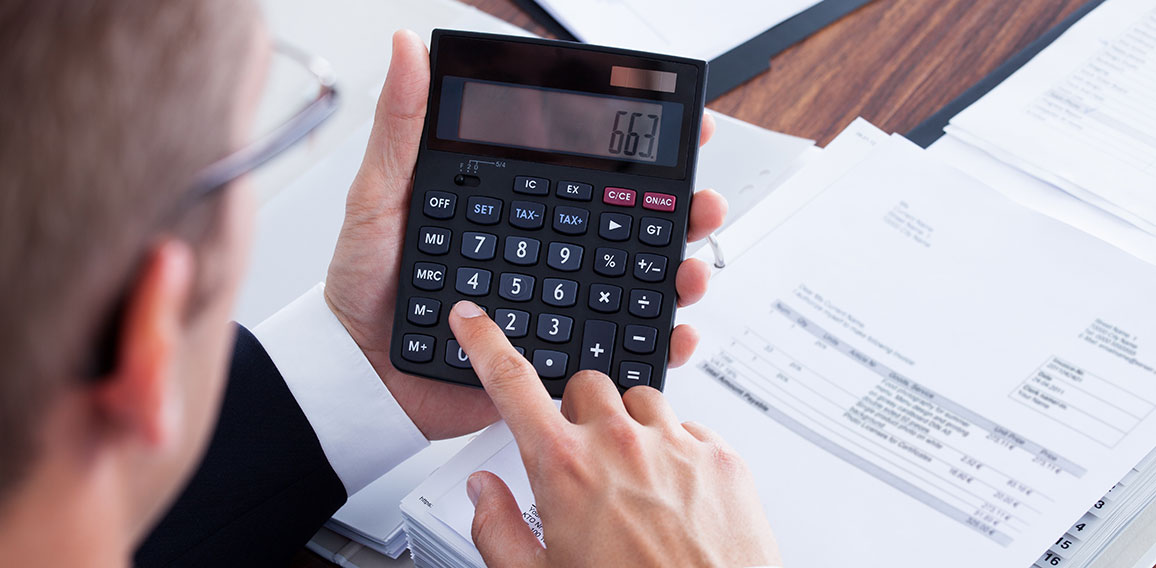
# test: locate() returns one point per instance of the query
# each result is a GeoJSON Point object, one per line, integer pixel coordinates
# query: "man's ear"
{"type": "Point", "coordinates": [136, 399]}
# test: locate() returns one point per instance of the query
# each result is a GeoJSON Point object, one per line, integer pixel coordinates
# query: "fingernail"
{"type": "Point", "coordinates": [474, 488]}
{"type": "Point", "coordinates": [467, 309]}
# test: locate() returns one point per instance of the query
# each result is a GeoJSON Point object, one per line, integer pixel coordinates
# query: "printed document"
{"type": "Point", "coordinates": [1080, 114]}
{"type": "Point", "coordinates": [920, 368]}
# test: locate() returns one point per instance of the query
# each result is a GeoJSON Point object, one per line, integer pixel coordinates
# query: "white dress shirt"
{"type": "Point", "coordinates": [362, 429]}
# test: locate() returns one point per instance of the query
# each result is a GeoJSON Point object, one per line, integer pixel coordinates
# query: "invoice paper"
{"type": "Point", "coordinates": [689, 28]}
{"type": "Point", "coordinates": [1080, 114]}
{"type": "Point", "coordinates": [921, 371]}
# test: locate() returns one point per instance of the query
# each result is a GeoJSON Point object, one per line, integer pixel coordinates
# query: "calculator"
{"type": "Point", "coordinates": [552, 189]}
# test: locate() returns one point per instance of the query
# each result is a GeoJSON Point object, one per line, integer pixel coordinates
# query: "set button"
{"type": "Point", "coordinates": [484, 210]}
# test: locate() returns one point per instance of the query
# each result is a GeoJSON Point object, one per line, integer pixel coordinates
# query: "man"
{"type": "Point", "coordinates": [115, 335]}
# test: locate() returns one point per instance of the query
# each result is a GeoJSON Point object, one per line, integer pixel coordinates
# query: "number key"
{"type": "Point", "coordinates": [516, 287]}
{"type": "Point", "coordinates": [514, 323]}
{"type": "Point", "coordinates": [554, 328]}
{"type": "Point", "coordinates": [473, 281]}
{"type": "Point", "coordinates": [479, 246]}
{"type": "Point", "coordinates": [564, 257]}
{"type": "Point", "coordinates": [521, 251]}
{"type": "Point", "coordinates": [558, 292]}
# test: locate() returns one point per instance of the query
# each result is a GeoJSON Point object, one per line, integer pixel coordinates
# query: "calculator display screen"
{"type": "Point", "coordinates": [555, 120]}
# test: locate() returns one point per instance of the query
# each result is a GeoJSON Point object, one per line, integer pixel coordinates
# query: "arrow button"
{"type": "Point", "coordinates": [614, 226]}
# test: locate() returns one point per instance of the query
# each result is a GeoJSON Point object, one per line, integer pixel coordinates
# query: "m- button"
{"type": "Point", "coordinates": [658, 201]}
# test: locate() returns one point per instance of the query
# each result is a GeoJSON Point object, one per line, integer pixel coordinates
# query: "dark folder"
{"type": "Point", "coordinates": [931, 129]}
{"type": "Point", "coordinates": [740, 64]}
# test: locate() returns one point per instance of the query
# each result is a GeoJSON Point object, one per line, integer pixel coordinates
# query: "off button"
{"type": "Point", "coordinates": [658, 201]}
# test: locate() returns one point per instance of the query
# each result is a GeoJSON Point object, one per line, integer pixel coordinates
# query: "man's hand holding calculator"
{"type": "Point", "coordinates": [682, 492]}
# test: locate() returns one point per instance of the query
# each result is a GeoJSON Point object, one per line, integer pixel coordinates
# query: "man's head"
{"type": "Point", "coordinates": [109, 110]}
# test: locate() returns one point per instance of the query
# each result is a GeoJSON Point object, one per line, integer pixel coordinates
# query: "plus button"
{"type": "Point", "coordinates": [597, 350]}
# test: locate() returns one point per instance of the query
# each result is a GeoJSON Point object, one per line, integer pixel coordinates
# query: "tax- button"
{"type": "Point", "coordinates": [619, 196]}
{"type": "Point", "coordinates": [484, 210]}
{"type": "Point", "coordinates": [527, 214]}
{"type": "Point", "coordinates": [575, 190]}
{"type": "Point", "coordinates": [531, 185]}
{"type": "Point", "coordinates": [439, 204]}
{"type": "Point", "coordinates": [429, 276]}
{"type": "Point", "coordinates": [417, 348]}
{"type": "Point", "coordinates": [570, 220]}
{"type": "Point", "coordinates": [655, 232]}
{"type": "Point", "coordinates": [658, 201]}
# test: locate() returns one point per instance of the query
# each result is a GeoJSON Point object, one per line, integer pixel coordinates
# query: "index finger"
{"type": "Point", "coordinates": [508, 377]}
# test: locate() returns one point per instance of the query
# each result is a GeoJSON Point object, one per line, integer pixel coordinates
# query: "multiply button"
{"type": "Point", "coordinates": [619, 196]}
{"type": "Point", "coordinates": [597, 345]}
{"type": "Point", "coordinates": [658, 201]}
{"type": "Point", "coordinates": [531, 185]}
{"type": "Point", "coordinates": [429, 276]}
{"type": "Point", "coordinates": [575, 190]}
{"type": "Point", "coordinates": [649, 267]}
{"type": "Point", "coordinates": [439, 204]}
{"type": "Point", "coordinates": [570, 220]}
{"type": "Point", "coordinates": [417, 348]}
{"type": "Point", "coordinates": [484, 210]}
{"type": "Point", "coordinates": [645, 303]}
{"type": "Point", "coordinates": [527, 214]}
{"type": "Point", "coordinates": [605, 298]}
{"type": "Point", "coordinates": [655, 232]}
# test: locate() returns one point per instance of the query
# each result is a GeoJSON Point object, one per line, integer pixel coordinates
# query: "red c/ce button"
{"type": "Point", "coordinates": [619, 196]}
{"type": "Point", "coordinates": [658, 201]}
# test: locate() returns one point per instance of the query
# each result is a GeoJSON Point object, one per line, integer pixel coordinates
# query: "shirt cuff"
{"type": "Point", "coordinates": [363, 431]}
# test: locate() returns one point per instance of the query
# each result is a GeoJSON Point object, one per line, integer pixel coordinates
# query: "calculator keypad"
{"type": "Point", "coordinates": [569, 296]}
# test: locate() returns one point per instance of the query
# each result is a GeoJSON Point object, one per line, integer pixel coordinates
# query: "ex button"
{"type": "Point", "coordinates": [575, 190]}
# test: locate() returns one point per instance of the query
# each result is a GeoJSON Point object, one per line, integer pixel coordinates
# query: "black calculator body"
{"type": "Point", "coordinates": [552, 188]}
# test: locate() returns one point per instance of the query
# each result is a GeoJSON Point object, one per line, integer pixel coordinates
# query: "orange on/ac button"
{"type": "Point", "coordinates": [658, 201]}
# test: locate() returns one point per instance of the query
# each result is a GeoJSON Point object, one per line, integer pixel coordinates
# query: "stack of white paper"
{"type": "Point", "coordinates": [919, 368]}
{"type": "Point", "coordinates": [1080, 115]}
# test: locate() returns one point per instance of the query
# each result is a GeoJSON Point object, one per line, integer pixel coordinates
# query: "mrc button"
{"type": "Point", "coordinates": [429, 276]}
{"type": "Point", "coordinates": [619, 196]}
{"type": "Point", "coordinates": [658, 201]}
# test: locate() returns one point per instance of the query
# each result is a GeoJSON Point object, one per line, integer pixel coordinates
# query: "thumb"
{"type": "Point", "coordinates": [383, 182]}
{"type": "Point", "coordinates": [499, 531]}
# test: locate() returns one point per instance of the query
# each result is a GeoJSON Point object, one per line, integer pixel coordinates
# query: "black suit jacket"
{"type": "Point", "coordinates": [264, 486]}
